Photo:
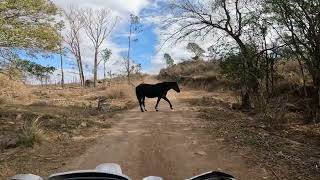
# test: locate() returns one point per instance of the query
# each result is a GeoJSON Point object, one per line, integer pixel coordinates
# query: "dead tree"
{"type": "Point", "coordinates": [73, 40]}
{"type": "Point", "coordinates": [98, 26]}
{"type": "Point", "coordinates": [231, 19]}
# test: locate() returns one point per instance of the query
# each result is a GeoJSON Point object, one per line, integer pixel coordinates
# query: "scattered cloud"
{"type": "Point", "coordinates": [152, 14]}
{"type": "Point", "coordinates": [122, 9]}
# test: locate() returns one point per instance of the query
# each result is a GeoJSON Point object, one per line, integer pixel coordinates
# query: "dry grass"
{"type": "Point", "coordinates": [11, 90]}
{"type": "Point", "coordinates": [31, 133]}
{"type": "Point", "coordinates": [120, 91]}
{"type": "Point", "coordinates": [291, 72]}
{"type": "Point", "coordinates": [66, 114]}
{"type": "Point", "coordinates": [286, 151]}
{"type": "Point", "coordinates": [190, 68]}
{"type": "Point", "coordinates": [6, 171]}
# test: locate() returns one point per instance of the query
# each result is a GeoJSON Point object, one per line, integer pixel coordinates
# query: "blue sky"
{"type": "Point", "coordinates": [142, 50]}
{"type": "Point", "coordinates": [145, 51]}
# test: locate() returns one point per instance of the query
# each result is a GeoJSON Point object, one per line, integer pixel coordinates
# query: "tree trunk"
{"type": "Point", "coordinates": [104, 70]}
{"type": "Point", "coordinates": [303, 78]}
{"type": "Point", "coordinates": [61, 64]}
{"type": "Point", "coordinates": [81, 74]}
{"type": "Point", "coordinates": [267, 68]}
{"type": "Point", "coordinates": [61, 60]}
{"type": "Point", "coordinates": [95, 67]}
{"type": "Point", "coordinates": [272, 75]}
{"type": "Point", "coordinates": [128, 57]}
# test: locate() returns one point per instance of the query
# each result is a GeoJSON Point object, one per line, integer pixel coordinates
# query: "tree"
{"type": "Point", "coordinates": [196, 49]}
{"type": "Point", "coordinates": [38, 71]}
{"type": "Point", "coordinates": [233, 19]}
{"type": "Point", "coordinates": [27, 26]}
{"type": "Point", "coordinates": [298, 23]}
{"type": "Point", "coordinates": [134, 28]}
{"type": "Point", "coordinates": [98, 26]}
{"type": "Point", "coordinates": [169, 60]}
{"type": "Point", "coordinates": [106, 54]}
{"type": "Point", "coordinates": [60, 26]}
{"type": "Point", "coordinates": [73, 40]}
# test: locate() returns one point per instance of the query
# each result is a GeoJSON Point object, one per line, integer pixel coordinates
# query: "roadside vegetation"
{"type": "Point", "coordinates": [262, 89]}
{"type": "Point", "coordinates": [261, 75]}
{"type": "Point", "coordinates": [68, 119]}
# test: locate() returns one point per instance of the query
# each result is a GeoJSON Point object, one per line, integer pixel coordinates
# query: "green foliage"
{"type": "Point", "coordinates": [106, 54]}
{"type": "Point", "coordinates": [249, 70]}
{"type": "Point", "coordinates": [33, 68]}
{"type": "Point", "coordinates": [301, 20]}
{"type": "Point", "coordinates": [28, 24]}
{"type": "Point", "coordinates": [196, 49]}
{"type": "Point", "coordinates": [169, 60]}
{"type": "Point", "coordinates": [231, 66]}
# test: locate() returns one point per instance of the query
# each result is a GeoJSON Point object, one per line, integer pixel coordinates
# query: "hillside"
{"type": "Point", "coordinates": [33, 119]}
{"type": "Point", "coordinates": [277, 131]}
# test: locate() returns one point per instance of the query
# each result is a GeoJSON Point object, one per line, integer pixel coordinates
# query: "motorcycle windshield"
{"type": "Point", "coordinates": [86, 175]}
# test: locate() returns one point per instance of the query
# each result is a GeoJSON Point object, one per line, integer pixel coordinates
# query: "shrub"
{"type": "Point", "coordinates": [31, 133]}
{"type": "Point", "coordinates": [120, 91]}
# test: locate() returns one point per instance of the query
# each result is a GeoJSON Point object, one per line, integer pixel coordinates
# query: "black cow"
{"type": "Point", "coordinates": [159, 91]}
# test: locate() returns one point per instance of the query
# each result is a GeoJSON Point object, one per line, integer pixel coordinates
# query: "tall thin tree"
{"type": "Point", "coordinates": [134, 28]}
{"type": "Point", "coordinates": [60, 27]}
{"type": "Point", "coordinates": [106, 54]}
{"type": "Point", "coordinates": [73, 40]}
{"type": "Point", "coordinates": [98, 26]}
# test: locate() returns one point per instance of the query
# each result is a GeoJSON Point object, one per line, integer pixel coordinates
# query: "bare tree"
{"type": "Point", "coordinates": [233, 19]}
{"type": "Point", "coordinates": [98, 26]}
{"type": "Point", "coordinates": [60, 27]}
{"type": "Point", "coordinates": [128, 67]}
{"type": "Point", "coordinates": [73, 40]}
{"type": "Point", "coordinates": [298, 24]}
{"type": "Point", "coordinates": [134, 28]}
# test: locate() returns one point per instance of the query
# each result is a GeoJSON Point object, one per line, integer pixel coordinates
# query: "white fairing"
{"type": "Point", "coordinates": [26, 177]}
{"type": "Point", "coordinates": [152, 178]}
{"type": "Point", "coordinates": [110, 168]}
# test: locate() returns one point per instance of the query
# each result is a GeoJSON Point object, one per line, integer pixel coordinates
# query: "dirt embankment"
{"type": "Point", "coordinates": [42, 127]}
{"type": "Point", "coordinates": [287, 150]}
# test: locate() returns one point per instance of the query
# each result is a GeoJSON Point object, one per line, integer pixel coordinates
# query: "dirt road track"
{"type": "Point", "coordinates": [168, 143]}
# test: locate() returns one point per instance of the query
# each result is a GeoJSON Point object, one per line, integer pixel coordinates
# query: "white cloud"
{"type": "Point", "coordinates": [121, 8]}
{"type": "Point", "coordinates": [155, 16]}
{"type": "Point", "coordinates": [177, 50]}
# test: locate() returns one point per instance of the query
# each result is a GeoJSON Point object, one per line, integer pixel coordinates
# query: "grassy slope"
{"type": "Point", "coordinates": [69, 122]}
{"type": "Point", "coordinates": [277, 138]}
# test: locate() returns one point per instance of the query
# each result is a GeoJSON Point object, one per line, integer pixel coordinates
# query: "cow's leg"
{"type": "Point", "coordinates": [157, 103]}
{"type": "Point", "coordinates": [143, 103]}
{"type": "Point", "coordinates": [166, 99]}
{"type": "Point", "coordinates": [140, 103]}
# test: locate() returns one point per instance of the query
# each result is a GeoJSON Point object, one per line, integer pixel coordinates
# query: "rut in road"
{"type": "Point", "coordinates": [168, 143]}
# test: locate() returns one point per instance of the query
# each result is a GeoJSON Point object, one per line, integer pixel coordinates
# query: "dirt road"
{"type": "Point", "coordinates": [168, 143]}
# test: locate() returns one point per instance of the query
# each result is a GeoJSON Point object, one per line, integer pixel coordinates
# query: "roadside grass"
{"type": "Point", "coordinates": [67, 119]}
{"type": "Point", "coordinates": [268, 144]}
{"type": "Point", "coordinates": [31, 133]}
